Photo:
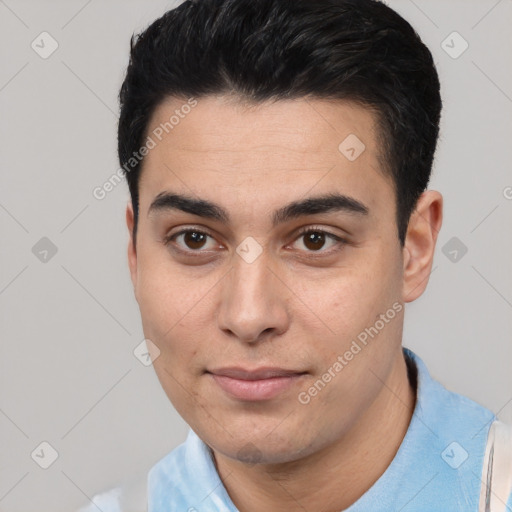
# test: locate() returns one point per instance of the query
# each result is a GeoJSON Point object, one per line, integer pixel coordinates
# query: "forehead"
{"type": "Point", "coordinates": [223, 123]}
{"type": "Point", "coordinates": [300, 144]}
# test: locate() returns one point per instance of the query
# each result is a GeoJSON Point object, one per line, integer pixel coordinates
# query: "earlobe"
{"type": "Point", "coordinates": [132, 254]}
{"type": "Point", "coordinates": [420, 243]}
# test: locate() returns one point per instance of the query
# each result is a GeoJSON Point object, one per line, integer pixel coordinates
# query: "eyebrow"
{"type": "Point", "coordinates": [328, 203]}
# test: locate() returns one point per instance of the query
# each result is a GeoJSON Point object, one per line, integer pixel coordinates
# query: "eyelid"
{"type": "Point", "coordinates": [340, 241]}
{"type": "Point", "coordinates": [317, 229]}
{"type": "Point", "coordinates": [189, 229]}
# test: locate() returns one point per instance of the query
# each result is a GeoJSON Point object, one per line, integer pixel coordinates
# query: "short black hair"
{"type": "Point", "coordinates": [259, 50]}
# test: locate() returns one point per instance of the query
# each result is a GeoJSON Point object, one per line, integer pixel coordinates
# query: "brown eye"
{"type": "Point", "coordinates": [194, 239]}
{"type": "Point", "coordinates": [319, 241]}
{"type": "Point", "coordinates": [191, 240]}
{"type": "Point", "coordinates": [314, 240]}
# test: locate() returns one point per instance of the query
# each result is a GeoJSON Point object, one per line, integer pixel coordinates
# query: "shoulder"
{"type": "Point", "coordinates": [442, 406]}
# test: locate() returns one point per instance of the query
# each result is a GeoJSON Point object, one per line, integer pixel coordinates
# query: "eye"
{"type": "Point", "coordinates": [318, 240]}
{"type": "Point", "coordinates": [310, 240]}
{"type": "Point", "coordinates": [191, 239]}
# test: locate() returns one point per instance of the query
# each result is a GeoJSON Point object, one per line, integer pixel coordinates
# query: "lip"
{"type": "Point", "coordinates": [254, 385]}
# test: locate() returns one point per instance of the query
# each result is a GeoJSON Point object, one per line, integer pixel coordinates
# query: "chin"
{"type": "Point", "coordinates": [264, 449]}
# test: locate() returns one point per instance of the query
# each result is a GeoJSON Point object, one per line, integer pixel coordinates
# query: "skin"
{"type": "Point", "coordinates": [297, 306]}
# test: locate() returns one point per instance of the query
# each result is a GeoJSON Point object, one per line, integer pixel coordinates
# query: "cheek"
{"type": "Point", "coordinates": [352, 301]}
{"type": "Point", "coordinates": [176, 316]}
{"type": "Point", "coordinates": [348, 301]}
{"type": "Point", "coordinates": [164, 294]}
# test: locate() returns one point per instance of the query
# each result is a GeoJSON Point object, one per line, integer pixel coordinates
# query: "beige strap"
{"type": "Point", "coordinates": [497, 471]}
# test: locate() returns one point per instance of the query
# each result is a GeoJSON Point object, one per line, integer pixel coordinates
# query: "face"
{"type": "Point", "coordinates": [265, 253]}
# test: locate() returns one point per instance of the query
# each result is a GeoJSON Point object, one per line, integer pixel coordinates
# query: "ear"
{"type": "Point", "coordinates": [420, 243]}
{"type": "Point", "coordinates": [132, 253]}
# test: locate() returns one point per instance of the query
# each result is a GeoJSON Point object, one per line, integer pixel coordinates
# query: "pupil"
{"type": "Point", "coordinates": [194, 240]}
{"type": "Point", "coordinates": [315, 241]}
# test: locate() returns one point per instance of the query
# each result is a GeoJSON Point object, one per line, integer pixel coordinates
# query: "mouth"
{"type": "Point", "coordinates": [255, 385]}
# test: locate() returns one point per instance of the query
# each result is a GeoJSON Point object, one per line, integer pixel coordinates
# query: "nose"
{"type": "Point", "coordinates": [253, 301]}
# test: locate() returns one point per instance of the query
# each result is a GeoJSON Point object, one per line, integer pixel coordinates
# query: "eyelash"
{"type": "Point", "coordinates": [340, 242]}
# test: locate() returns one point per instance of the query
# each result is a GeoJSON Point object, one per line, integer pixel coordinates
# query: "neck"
{"type": "Point", "coordinates": [337, 476]}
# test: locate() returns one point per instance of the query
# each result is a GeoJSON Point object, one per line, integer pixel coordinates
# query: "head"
{"type": "Point", "coordinates": [293, 141]}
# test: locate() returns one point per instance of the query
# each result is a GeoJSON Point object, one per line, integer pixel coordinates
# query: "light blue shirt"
{"type": "Point", "coordinates": [437, 468]}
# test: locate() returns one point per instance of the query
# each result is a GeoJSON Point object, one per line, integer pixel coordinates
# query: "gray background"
{"type": "Point", "coordinates": [70, 324]}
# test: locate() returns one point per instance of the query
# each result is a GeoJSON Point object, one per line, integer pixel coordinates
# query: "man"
{"type": "Point", "coordinates": [278, 155]}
